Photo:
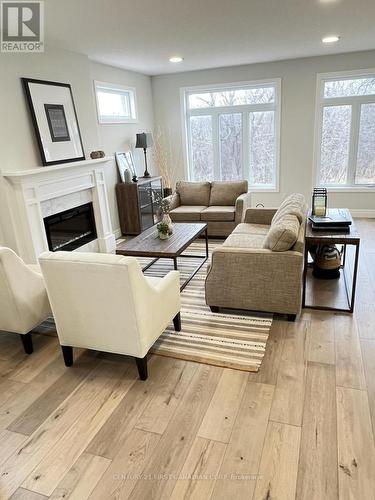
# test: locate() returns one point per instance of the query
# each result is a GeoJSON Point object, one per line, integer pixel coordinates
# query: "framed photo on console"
{"type": "Point", "coordinates": [55, 121]}
{"type": "Point", "coordinates": [125, 161]}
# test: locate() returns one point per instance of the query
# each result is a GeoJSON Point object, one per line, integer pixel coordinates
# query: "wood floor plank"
{"type": "Point", "coordinates": [269, 368]}
{"type": "Point", "coordinates": [36, 413]}
{"type": "Point", "coordinates": [22, 494]}
{"type": "Point", "coordinates": [33, 365]}
{"type": "Point", "coordinates": [317, 472]}
{"type": "Point", "coordinates": [179, 436]}
{"type": "Point", "coordinates": [279, 463]}
{"type": "Point", "coordinates": [356, 451]}
{"type": "Point", "coordinates": [197, 477]}
{"type": "Point", "coordinates": [287, 403]}
{"type": "Point", "coordinates": [321, 341]}
{"type": "Point", "coordinates": [22, 399]}
{"type": "Point", "coordinates": [162, 406]}
{"type": "Point", "coordinates": [349, 368]}
{"type": "Point", "coordinates": [109, 440]}
{"type": "Point", "coordinates": [365, 319]}
{"type": "Point", "coordinates": [18, 467]}
{"type": "Point", "coordinates": [82, 478]}
{"type": "Point", "coordinates": [9, 443]}
{"type": "Point", "coordinates": [368, 355]}
{"type": "Point", "coordinates": [128, 465]}
{"type": "Point", "coordinates": [8, 389]}
{"type": "Point", "coordinates": [57, 462]}
{"type": "Point", "coordinates": [221, 414]}
{"type": "Point", "coordinates": [238, 472]}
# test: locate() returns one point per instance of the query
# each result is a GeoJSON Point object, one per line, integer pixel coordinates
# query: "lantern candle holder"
{"type": "Point", "coordinates": [319, 202]}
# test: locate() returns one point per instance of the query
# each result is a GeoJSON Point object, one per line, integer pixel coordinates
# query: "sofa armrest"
{"type": "Point", "coordinates": [173, 201]}
{"type": "Point", "coordinates": [259, 215]}
{"type": "Point", "coordinates": [242, 203]}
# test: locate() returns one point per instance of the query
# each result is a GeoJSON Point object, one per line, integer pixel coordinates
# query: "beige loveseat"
{"type": "Point", "coordinates": [259, 266]}
{"type": "Point", "coordinates": [221, 204]}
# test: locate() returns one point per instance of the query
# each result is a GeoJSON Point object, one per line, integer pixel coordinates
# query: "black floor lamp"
{"type": "Point", "coordinates": [144, 141]}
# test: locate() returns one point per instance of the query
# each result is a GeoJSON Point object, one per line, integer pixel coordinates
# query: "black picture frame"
{"type": "Point", "coordinates": [26, 86]}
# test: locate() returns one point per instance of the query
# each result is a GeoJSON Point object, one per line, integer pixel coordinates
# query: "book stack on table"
{"type": "Point", "coordinates": [336, 220]}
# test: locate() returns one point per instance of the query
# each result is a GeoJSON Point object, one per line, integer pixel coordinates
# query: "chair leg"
{"type": "Point", "coordinates": [292, 317]}
{"type": "Point", "coordinates": [27, 343]}
{"type": "Point", "coordinates": [214, 309]}
{"type": "Point", "coordinates": [177, 322]}
{"type": "Point", "coordinates": [68, 355]}
{"type": "Point", "coordinates": [142, 367]}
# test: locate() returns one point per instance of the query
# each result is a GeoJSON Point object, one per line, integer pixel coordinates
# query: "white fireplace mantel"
{"type": "Point", "coordinates": [28, 190]}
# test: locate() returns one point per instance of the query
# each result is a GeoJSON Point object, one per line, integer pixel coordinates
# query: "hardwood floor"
{"type": "Point", "coordinates": [302, 427]}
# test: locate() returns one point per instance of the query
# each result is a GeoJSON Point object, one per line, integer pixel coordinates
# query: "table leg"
{"type": "Point", "coordinates": [175, 263]}
{"type": "Point", "coordinates": [355, 271]}
{"type": "Point", "coordinates": [206, 235]}
{"type": "Point", "coordinates": [305, 266]}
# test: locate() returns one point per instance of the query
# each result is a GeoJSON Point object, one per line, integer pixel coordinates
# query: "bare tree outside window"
{"type": "Point", "coordinates": [348, 88]}
{"type": "Point", "coordinates": [335, 144]}
{"type": "Point", "coordinates": [219, 148]}
{"type": "Point", "coordinates": [201, 147]}
{"type": "Point", "coordinates": [365, 171]}
{"type": "Point", "coordinates": [230, 127]}
{"type": "Point", "coordinates": [262, 147]}
{"type": "Point", "coordinates": [347, 142]}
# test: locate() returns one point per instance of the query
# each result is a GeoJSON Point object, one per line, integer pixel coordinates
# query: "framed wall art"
{"type": "Point", "coordinates": [125, 161]}
{"type": "Point", "coordinates": [55, 121]}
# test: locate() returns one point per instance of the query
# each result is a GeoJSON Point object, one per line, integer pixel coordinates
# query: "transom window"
{"type": "Point", "coordinates": [346, 131]}
{"type": "Point", "coordinates": [115, 103]}
{"type": "Point", "coordinates": [232, 133]}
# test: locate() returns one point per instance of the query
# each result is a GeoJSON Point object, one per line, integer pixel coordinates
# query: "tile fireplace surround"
{"type": "Point", "coordinates": [39, 192]}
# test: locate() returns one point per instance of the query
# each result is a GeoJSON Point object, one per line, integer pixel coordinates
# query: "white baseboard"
{"type": "Point", "coordinates": [367, 214]}
{"type": "Point", "coordinates": [117, 232]}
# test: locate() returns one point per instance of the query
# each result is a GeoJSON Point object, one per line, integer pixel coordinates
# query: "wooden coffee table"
{"type": "Point", "coordinates": [147, 244]}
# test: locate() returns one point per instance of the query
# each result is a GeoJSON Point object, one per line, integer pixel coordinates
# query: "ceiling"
{"type": "Point", "coordinates": [142, 34]}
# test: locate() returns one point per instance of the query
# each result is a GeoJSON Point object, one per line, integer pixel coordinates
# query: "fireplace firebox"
{"type": "Point", "coordinates": [70, 229]}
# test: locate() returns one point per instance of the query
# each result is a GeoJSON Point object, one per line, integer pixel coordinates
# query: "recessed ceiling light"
{"type": "Point", "coordinates": [330, 39]}
{"type": "Point", "coordinates": [176, 59]}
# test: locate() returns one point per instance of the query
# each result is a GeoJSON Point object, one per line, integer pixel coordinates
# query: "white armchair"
{"type": "Point", "coordinates": [104, 302]}
{"type": "Point", "coordinates": [23, 298]}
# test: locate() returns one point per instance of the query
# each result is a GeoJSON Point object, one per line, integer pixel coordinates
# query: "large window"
{"type": "Point", "coordinates": [345, 149]}
{"type": "Point", "coordinates": [115, 103]}
{"type": "Point", "coordinates": [232, 132]}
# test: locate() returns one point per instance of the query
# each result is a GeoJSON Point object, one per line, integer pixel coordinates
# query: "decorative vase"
{"type": "Point", "coordinates": [163, 236]}
{"type": "Point", "coordinates": [127, 175]}
{"type": "Point", "coordinates": [167, 220]}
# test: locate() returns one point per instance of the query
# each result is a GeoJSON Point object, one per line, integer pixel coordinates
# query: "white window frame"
{"type": "Point", "coordinates": [98, 85]}
{"type": "Point", "coordinates": [244, 109]}
{"type": "Point", "coordinates": [355, 101]}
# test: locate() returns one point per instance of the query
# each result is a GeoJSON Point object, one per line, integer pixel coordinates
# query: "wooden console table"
{"type": "Point", "coordinates": [138, 204]}
{"type": "Point", "coordinates": [314, 238]}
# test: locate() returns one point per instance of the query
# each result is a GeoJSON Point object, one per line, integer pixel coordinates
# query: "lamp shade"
{"type": "Point", "coordinates": [144, 141]}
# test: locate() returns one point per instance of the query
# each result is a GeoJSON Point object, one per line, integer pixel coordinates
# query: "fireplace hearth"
{"type": "Point", "coordinates": [70, 229]}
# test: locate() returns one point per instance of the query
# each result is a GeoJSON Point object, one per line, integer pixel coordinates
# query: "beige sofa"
{"type": "Point", "coordinates": [221, 204]}
{"type": "Point", "coordinates": [259, 267]}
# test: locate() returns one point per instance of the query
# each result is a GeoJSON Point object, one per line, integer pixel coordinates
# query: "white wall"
{"type": "Point", "coordinates": [297, 116]}
{"type": "Point", "coordinates": [120, 137]}
{"type": "Point", "coordinates": [18, 147]}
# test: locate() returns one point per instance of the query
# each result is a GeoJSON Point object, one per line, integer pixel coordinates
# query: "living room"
{"type": "Point", "coordinates": [220, 165]}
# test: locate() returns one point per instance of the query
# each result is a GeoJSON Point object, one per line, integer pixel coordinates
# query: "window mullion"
{"type": "Point", "coordinates": [354, 137]}
{"type": "Point", "coordinates": [216, 145]}
{"type": "Point", "coordinates": [245, 146]}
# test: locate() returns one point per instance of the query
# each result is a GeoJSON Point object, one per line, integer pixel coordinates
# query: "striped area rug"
{"type": "Point", "coordinates": [227, 340]}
